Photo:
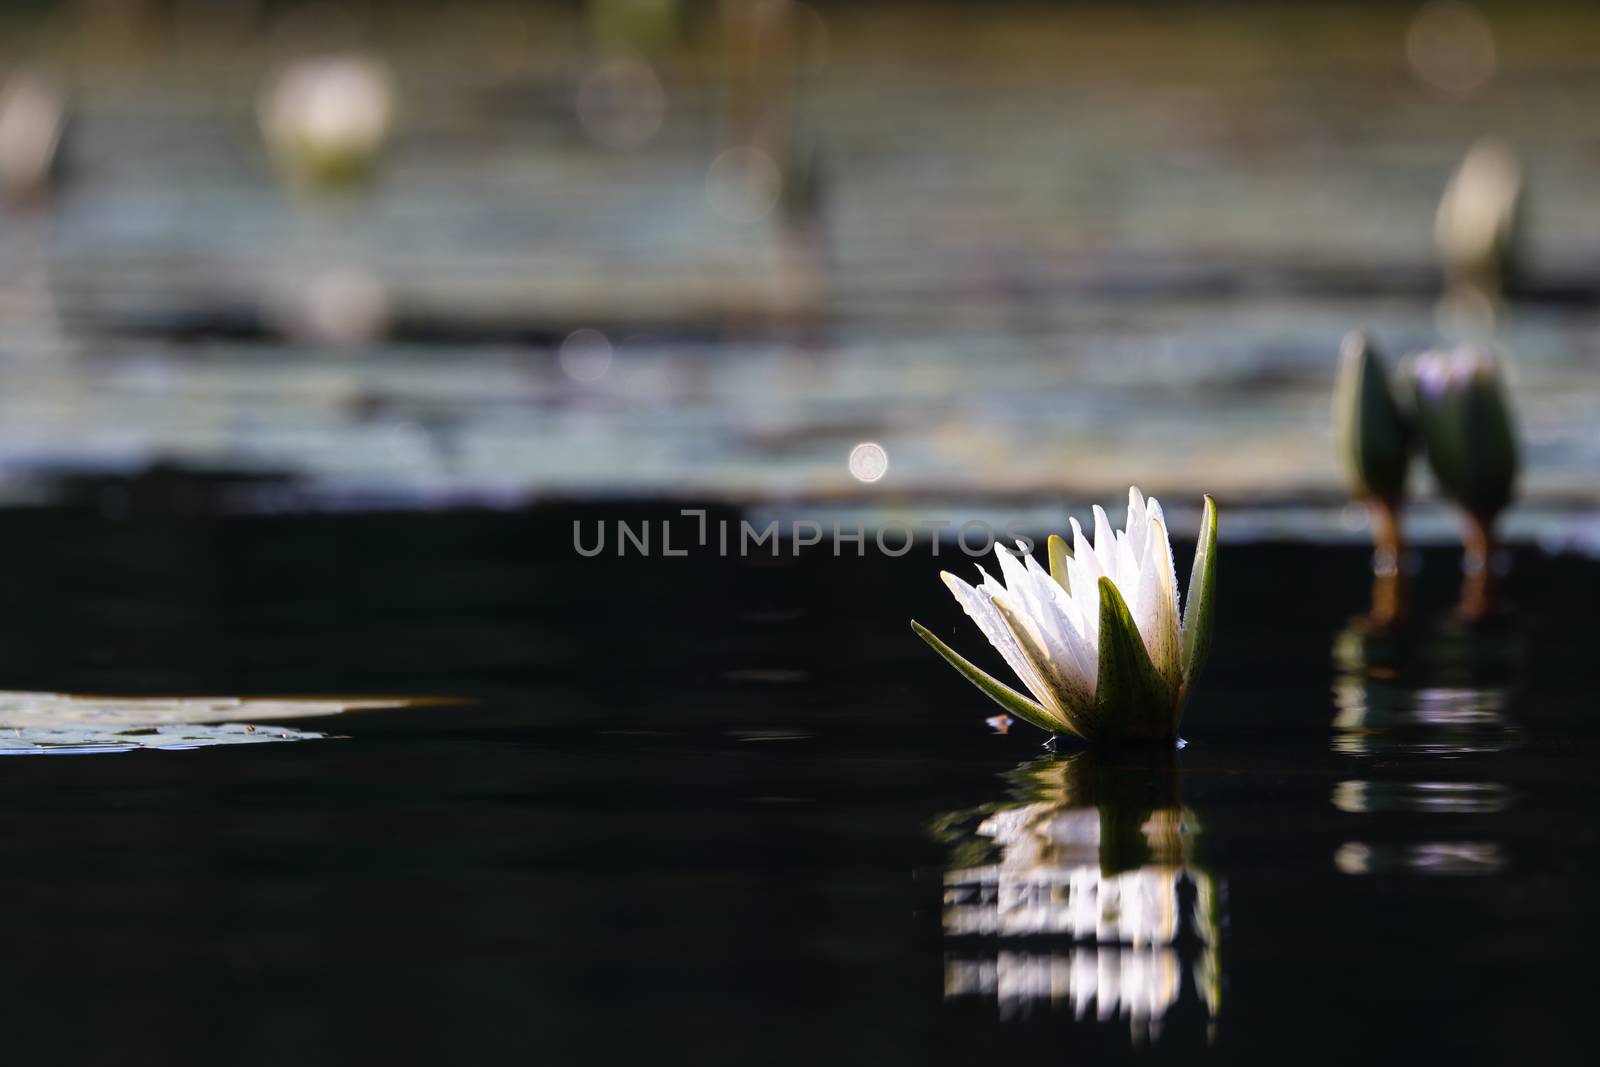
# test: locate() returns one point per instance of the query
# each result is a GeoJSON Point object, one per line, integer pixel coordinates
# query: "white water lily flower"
{"type": "Point", "coordinates": [325, 120]}
{"type": "Point", "coordinates": [1099, 641]}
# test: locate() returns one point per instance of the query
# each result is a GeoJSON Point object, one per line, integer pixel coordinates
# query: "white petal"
{"type": "Point", "coordinates": [1086, 598]}
{"type": "Point", "coordinates": [1037, 591]}
{"type": "Point", "coordinates": [1153, 510]}
{"type": "Point", "coordinates": [1086, 657]}
{"type": "Point", "coordinates": [1070, 697]}
{"type": "Point", "coordinates": [1067, 641]}
{"type": "Point", "coordinates": [1087, 561]}
{"type": "Point", "coordinates": [1045, 588]}
{"type": "Point", "coordinates": [1136, 510]}
{"type": "Point", "coordinates": [1069, 606]}
{"type": "Point", "coordinates": [1128, 557]}
{"type": "Point", "coordinates": [1032, 591]}
{"type": "Point", "coordinates": [1157, 614]}
{"type": "Point", "coordinates": [989, 585]}
{"type": "Point", "coordinates": [1023, 595]}
{"type": "Point", "coordinates": [1137, 525]}
{"type": "Point", "coordinates": [976, 603]}
{"type": "Point", "coordinates": [1105, 546]}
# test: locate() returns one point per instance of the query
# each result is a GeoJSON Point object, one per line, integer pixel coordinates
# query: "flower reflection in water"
{"type": "Point", "coordinates": [1082, 890]}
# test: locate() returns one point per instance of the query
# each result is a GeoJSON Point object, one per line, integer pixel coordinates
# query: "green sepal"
{"type": "Point", "coordinates": [1059, 553]}
{"type": "Point", "coordinates": [1471, 440]}
{"type": "Point", "coordinates": [1199, 607]}
{"type": "Point", "coordinates": [1014, 702]}
{"type": "Point", "coordinates": [1132, 703]}
{"type": "Point", "coordinates": [1374, 436]}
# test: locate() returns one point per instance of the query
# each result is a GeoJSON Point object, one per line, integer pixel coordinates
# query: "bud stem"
{"type": "Point", "coordinates": [1388, 585]}
{"type": "Point", "coordinates": [1386, 543]}
{"type": "Point", "coordinates": [1480, 598]}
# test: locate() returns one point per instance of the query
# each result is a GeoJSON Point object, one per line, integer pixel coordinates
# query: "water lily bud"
{"type": "Point", "coordinates": [1467, 427]}
{"type": "Point", "coordinates": [1374, 436]}
{"type": "Point", "coordinates": [1476, 225]}
{"type": "Point", "coordinates": [326, 120]}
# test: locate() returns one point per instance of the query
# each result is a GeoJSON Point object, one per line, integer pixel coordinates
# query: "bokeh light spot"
{"type": "Point", "coordinates": [621, 104]}
{"type": "Point", "coordinates": [586, 355]}
{"type": "Point", "coordinates": [1450, 47]}
{"type": "Point", "coordinates": [743, 184]}
{"type": "Point", "coordinates": [868, 462]}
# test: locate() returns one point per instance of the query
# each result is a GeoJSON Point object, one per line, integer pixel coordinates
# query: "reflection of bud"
{"type": "Point", "coordinates": [1465, 418]}
{"type": "Point", "coordinates": [325, 120]}
{"type": "Point", "coordinates": [1373, 437]}
{"type": "Point", "coordinates": [1437, 687]}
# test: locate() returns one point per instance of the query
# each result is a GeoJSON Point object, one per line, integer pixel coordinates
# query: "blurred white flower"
{"type": "Point", "coordinates": [325, 120]}
{"type": "Point", "coordinates": [1476, 224]}
{"type": "Point", "coordinates": [32, 116]}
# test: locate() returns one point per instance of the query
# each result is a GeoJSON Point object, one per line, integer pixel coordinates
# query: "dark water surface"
{"type": "Point", "coordinates": [708, 810]}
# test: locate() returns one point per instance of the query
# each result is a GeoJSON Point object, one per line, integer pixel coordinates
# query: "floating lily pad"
{"type": "Point", "coordinates": [85, 740]}
{"type": "Point", "coordinates": [64, 724]}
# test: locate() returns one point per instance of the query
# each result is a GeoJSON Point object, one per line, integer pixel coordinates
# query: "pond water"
{"type": "Point", "coordinates": [723, 810]}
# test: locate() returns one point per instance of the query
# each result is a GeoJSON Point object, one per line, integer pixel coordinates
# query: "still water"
{"type": "Point", "coordinates": [711, 810]}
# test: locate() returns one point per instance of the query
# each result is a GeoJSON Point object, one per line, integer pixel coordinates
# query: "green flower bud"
{"type": "Point", "coordinates": [1373, 434]}
{"type": "Point", "coordinates": [1465, 418]}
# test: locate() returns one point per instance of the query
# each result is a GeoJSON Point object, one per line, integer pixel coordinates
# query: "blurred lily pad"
{"type": "Point", "coordinates": [84, 740]}
{"type": "Point", "coordinates": [60, 723]}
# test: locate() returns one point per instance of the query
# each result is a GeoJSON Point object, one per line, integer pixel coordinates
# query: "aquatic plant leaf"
{"type": "Point", "coordinates": [64, 723]}
{"type": "Point", "coordinates": [1059, 553]}
{"type": "Point", "coordinates": [76, 740]}
{"type": "Point", "coordinates": [26, 710]}
{"type": "Point", "coordinates": [1131, 700]}
{"type": "Point", "coordinates": [1002, 694]}
{"type": "Point", "coordinates": [1199, 607]}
